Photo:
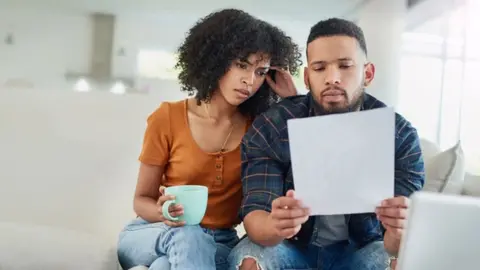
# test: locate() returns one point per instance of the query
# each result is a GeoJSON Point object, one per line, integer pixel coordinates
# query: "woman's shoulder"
{"type": "Point", "coordinates": [168, 109]}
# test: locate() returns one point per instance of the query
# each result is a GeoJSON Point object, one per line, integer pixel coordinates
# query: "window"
{"type": "Point", "coordinates": [439, 82]}
{"type": "Point", "coordinates": [153, 64]}
{"type": "Point", "coordinates": [419, 98]}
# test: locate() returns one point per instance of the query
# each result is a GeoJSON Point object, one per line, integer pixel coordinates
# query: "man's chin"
{"type": "Point", "coordinates": [329, 109]}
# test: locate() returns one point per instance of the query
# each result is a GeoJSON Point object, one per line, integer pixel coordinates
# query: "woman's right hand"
{"type": "Point", "coordinates": [175, 210]}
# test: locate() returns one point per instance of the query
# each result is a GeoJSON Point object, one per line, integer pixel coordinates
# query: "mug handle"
{"type": "Point", "coordinates": [165, 212]}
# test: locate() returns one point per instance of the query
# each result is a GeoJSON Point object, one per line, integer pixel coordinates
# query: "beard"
{"type": "Point", "coordinates": [349, 105]}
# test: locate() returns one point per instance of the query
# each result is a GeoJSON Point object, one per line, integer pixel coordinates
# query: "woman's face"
{"type": "Point", "coordinates": [244, 78]}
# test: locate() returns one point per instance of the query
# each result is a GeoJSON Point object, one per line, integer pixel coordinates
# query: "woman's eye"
{"type": "Point", "coordinates": [262, 73]}
{"type": "Point", "coordinates": [242, 65]}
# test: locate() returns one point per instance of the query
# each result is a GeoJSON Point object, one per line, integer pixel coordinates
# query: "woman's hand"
{"type": "Point", "coordinates": [175, 210]}
{"type": "Point", "coordinates": [283, 84]}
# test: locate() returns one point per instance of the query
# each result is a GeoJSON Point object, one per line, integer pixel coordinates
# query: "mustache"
{"type": "Point", "coordinates": [333, 88]}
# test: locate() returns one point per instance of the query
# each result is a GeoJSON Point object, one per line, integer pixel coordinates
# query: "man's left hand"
{"type": "Point", "coordinates": [392, 213]}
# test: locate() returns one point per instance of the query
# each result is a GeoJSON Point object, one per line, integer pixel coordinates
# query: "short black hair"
{"type": "Point", "coordinates": [338, 27]}
{"type": "Point", "coordinates": [224, 36]}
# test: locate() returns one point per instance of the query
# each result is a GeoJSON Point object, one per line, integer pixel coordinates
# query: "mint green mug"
{"type": "Point", "coordinates": [193, 199]}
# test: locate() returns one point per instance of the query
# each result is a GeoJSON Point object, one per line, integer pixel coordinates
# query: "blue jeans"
{"type": "Point", "coordinates": [161, 247]}
{"type": "Point", "coordinates": [340, 256]}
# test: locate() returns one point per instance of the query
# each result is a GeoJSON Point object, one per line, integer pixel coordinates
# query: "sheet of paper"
{"type": "Point", "coordinates": [343, 163]}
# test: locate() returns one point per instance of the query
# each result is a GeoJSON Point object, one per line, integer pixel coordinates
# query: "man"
{"type": "Point", "coordinates": [281, 235]}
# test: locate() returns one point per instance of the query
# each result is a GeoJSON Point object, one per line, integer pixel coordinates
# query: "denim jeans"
{"type": "Point", "coordinates": [340, 256]}
{"type": "Point", "coordinates": [161, 247]}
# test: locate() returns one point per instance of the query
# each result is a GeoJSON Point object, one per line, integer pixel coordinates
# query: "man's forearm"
{"type": "Point", "coordinates": [391, 244]}
{"type": "Point", "coordinates": [257, 225]}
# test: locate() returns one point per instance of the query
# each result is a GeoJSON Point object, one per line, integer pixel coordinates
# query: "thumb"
{"type": "Point", "coordinates": [162, 190]}
{"type": "Point", "coordinates": [291, 193]}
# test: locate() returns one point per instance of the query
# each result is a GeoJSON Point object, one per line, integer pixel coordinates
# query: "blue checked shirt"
{"type": "Point", "coordinates": [267, 174]}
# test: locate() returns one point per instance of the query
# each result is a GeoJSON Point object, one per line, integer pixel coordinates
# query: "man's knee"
{"type": "Point", "coordinates": [372, 256]}
{"type": "Point", "coordinates": [248, 255]}
{"type": "Point", "coordinates": [249, 264]}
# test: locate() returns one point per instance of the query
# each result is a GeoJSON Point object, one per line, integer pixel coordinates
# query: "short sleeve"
{"type": "Point", "coordinates": [157, 138]}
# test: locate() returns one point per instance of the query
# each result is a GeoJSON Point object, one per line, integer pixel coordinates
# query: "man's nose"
{"type": "Point", "coordinates": [333, 76]}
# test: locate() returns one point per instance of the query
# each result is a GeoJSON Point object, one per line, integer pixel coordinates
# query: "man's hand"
{"type": "Point", "coordinates": [392, 213]}
{"type": "Point", "coordinates": [175, 210]}
{"type": "Point", "coordinates": [287, 215]}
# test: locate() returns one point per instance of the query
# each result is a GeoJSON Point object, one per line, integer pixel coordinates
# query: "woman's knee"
{"type": "Point", "coordinates": [192, 238]}
{"type": "Point", "coordinates": [136, 243]}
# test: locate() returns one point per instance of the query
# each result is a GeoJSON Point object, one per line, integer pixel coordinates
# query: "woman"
{"type": "Point", "coordinates": [224, 62]}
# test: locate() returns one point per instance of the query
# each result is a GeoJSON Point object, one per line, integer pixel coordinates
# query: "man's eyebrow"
{"type": "Point", "coordinates": [338, 60]}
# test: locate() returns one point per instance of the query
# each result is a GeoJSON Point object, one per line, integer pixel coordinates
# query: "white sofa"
{"type": "Point", "coordinates": [68, 170]}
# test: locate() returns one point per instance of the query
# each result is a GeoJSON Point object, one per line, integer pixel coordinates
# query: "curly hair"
{"type": "Point", "coordinates": [227, 35]}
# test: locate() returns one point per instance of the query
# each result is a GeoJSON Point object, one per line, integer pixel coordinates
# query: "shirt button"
{"type": "Point", "coordinates": [219, 177]}
{"type": "Point", "coordinates": [218, 166]}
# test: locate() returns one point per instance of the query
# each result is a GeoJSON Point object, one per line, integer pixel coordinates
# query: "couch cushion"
{"type": "Point", "coordinates": [472, 185]}
{"type": "Point", "coordinates": [25, 246]}
{"type": "Point", "coordinates": [429, 149]}
{"type": "Point", "coordinates": [445, 172]}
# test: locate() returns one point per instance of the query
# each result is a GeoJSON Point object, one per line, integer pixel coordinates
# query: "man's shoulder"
{"type": "Point", "coordinates": [403, 127]}
{"type": "Point", "coordinates": [288, 108]}
{"type": "Point", "coordinates": [273, 122]}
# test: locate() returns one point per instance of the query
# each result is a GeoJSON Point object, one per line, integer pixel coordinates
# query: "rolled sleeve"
{"type": "Point", "coordinates": [262, 171]}
{"type": "Point", "coordinates": [409, 164]}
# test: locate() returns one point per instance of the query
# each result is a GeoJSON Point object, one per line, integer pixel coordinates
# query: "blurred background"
{"type": "Point", "coordinates": [79, 77]}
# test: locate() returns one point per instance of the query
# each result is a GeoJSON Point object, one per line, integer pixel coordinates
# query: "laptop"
{"type": "Point", "coordinates": [443, 233]}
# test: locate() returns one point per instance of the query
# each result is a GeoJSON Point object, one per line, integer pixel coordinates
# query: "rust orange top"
{"type": "Point", "coordinates": [168, 142]}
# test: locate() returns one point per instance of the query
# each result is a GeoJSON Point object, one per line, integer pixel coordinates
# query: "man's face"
{"type": "Point", "coordinates": [337, 73]}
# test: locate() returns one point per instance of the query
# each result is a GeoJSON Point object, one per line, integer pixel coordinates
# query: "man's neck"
{"type": "Point", "coordinates": [219, 109]}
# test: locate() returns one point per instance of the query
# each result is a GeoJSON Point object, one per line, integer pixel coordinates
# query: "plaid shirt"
{"type": "Point", "coordinates": [267, 173]}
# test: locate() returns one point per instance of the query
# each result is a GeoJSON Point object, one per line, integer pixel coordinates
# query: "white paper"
{"type": "Point", "coordinates": [343, 163]}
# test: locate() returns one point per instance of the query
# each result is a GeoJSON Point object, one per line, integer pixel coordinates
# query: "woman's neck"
{"type": "Point", "coordinates": [219, 109]}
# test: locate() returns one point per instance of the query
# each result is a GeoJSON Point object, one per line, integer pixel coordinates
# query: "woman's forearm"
{"type": "Point", "coordinates": [147, 208]}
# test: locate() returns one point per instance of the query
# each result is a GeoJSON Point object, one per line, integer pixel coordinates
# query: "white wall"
{"type": "Point", "coordinates": [383, 23]}
{"type": "Point", "coordinates": [47, 44]}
